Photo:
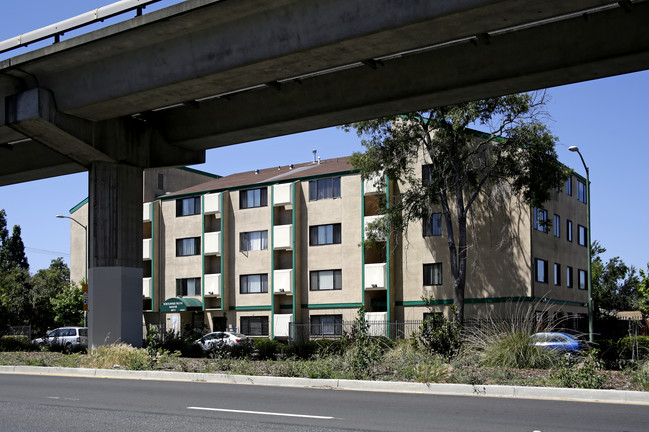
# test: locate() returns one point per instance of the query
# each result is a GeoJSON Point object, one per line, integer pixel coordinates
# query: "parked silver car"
{"type": "Point", "coordinates": [68, 337]}
{"type": "Point", "coordinates": [216, 339]}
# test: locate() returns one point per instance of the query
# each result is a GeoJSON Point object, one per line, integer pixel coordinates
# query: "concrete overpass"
{"type": "Point", "coordinates": [161, 88]}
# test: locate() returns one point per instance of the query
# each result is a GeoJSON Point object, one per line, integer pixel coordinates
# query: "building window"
{"type": "Point", "coordinates": [253, 284]}
{"type": "Point", "coordinates": [433, 225]}
{"type": "Point", "coordinates": [569, 230]}
{"type": "Point", "coordinates": [569, 277]}
{"type": "Point", "coordinates": [161, 181]}
{"type": "Point", "coordinates": [582, 279]}
{"type": "Point", "coordinates": [433, 274]}
{"type": "Point", "coordinates": [540, 270]}
{"type": "Point", "coordinates": [569, 186]}
{"type": "Point", "coordinates": [581, 191]}
{"type": "Point", "coordinates": [426, 173]}
{"type": "Point", "coordinates": [324, 188]}
{"type": "Point", "coordinates": [253, 240]}
{"type": "Point", "coordinates": [188, 287]}
{"type": "Point", "coordinates": [557, 274]}
{"type": "Point", "coordinates": [326, 280]}
{"type": "Point", "coordinates": [188, 206]}
{"type": "Point", "coordinates": [324, 234]}
{"type": "Point", "coordinates": [326, 325]}
{"type": "Point", "coordinates": [557, 226]}
{"type": "Point", "coordinates": [581, 236]}
{"type": "Point", "coordinates": [254, 326]}
{"type": "Point", "coordinates": [253, 198]}
{"type": "Point", "coordinates": [540, 219]}
{"type": "Point", "coordinates": [188, 246]}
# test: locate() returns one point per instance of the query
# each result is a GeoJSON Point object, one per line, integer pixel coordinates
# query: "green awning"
{"type": "Point", "coordinates": [181, 304]}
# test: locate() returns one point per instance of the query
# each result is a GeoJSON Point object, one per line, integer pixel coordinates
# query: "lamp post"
{"type": "Point", "coordinates": [85, 273]}
{"type": "Point", "coordinates": [590, 267]}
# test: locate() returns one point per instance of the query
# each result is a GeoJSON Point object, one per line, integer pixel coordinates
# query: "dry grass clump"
{"type": "Point", "coordinates": [118, 355]}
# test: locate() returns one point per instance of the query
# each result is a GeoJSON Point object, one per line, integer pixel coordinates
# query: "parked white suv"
{"type": "Point", "coordinates": [69, 337]}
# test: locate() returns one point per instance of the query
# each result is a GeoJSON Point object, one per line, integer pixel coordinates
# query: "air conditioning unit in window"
{"type": "Point", "coordinates": [281, 290]}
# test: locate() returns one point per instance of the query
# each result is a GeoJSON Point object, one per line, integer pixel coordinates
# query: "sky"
{"type": "Point", "coordinates": [605, 118]}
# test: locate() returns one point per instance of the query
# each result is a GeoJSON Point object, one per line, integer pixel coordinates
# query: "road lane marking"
{"type": "Point", "coordinates": [262, 413]}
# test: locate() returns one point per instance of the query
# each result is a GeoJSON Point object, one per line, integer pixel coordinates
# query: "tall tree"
{"type": "Point", "coordinates": [47, 284]}
{"type": "Point", "coordinates": [516, 148]}
{"type": "Point", "coordinates": [12, 249]}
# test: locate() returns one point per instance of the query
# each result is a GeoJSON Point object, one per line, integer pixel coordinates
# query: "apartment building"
{"type": "Point", "coordinates": [262, 249]}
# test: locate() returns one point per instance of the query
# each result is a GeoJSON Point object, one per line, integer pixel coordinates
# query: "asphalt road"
{"type": "Point", "coordinates": [55, 403]}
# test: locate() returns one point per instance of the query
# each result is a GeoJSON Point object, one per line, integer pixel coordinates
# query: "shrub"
{"type": "Point", "coordinates": [12, 343]}
{"type": "Point", "coordinates": [640, 376]}
{"type": "Point", "coordinates": [618, 354]}
{"type": "Point", "coordinates": [581, 372]}
{"type": "Point", "coordinates": [268, 349]}
{"type": "Point", "coordinates": [515, 350]}
{"type": "Point", "coordinates": [365, 352]}
{"type": "Point", "coordinates": [119, 355]}
{"type": "Point", "coordinates": [439, 335]}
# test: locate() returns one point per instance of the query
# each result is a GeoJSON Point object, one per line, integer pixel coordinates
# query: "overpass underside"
{"type": "Point", "coordinates": [160, 89]}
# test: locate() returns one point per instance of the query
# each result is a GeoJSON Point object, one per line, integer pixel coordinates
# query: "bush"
{"type": "Point", "coordinates": [618, 354]}
{"type": "Point", "coordinates": [581, 372]}
{"type": "Point", "coordinates": [268, 349]}
{"type": "Point", "coordinates": [515, 350]}
{"type": "Point", "coordinates": [439, 335]}
{"type": "Point", "coordinates": [119, 355]}
{"type": "Point", "coordinates": [12, 343]}
{"type": "Point", "coordinates": [640, 376]}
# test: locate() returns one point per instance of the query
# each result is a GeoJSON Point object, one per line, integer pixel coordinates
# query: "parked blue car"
{"type": "Point", "coordinates": [560, 342]}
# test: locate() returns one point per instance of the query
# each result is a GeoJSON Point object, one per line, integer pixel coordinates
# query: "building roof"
{"type": "Point", "coordinates": [260, 177]}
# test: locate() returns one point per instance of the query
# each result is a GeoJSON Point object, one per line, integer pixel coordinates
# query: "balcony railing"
{"type": "Point", "coordinates": [146, 287]}
{"type": "Point", "coordinates": [282, 325]}
{"type": "Point", "coordinates": [212, 203]}
{"type": "Point", "coordinates": [283, 282]}
{"type": "Point", "coordinates": [146, 249]}
{"type": "Point", "coordinates": [283, 237]}
{"type": "Point", "coordinates": [376, 276]}
{"type": "Point", "coordinates": [369, 220]}
{"type": "Point", "coordinates": [213, 284]}
{"type": "Point", "coordinates": [147, 215]}
{"type": "Point", "coordinates": [213, 243]}
{"type": "Point", "coordinates": [283, 194]}
{"type": "Point", "coordinates": [370, 185]}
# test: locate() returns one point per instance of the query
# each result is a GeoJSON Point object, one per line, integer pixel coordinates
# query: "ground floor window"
{"type": "Point", "coordinates": [326, 325]}
{"type": "Point", "coordinates": [254, 326]}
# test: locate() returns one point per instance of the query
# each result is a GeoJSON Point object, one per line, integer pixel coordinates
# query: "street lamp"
{"type": "Point", "coordinates": [590, 267]}
{"type": "Point", "coordinates": [85, 229]}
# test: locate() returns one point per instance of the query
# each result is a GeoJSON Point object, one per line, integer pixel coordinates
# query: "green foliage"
{"type": "Point", "coordinates": [67, 306]}
{"type": "Point", "coordinates": [517, 150]}
{"type": "Point", "coordinates": [268, 349]}
{"type": "Point", "coordinates": [640, 376]}
{"type": "Point", "coordinates": [620, 353]}
{"type": "Point", "coordinates": [365, 352]}
{"type": "Point", "coordinates": [642, 302]}
{"type": "Point", "coordinates": [12, 343]}
{"type": "Point", "coordinates": [581, 372]}
{"type": "Point", "coordinates": [12, 249]}
{"type": "Point", "coordinates": [439, 335]}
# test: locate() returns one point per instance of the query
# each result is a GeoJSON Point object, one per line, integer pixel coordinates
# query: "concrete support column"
{"type": "Point", "coordinates": [115, 243]}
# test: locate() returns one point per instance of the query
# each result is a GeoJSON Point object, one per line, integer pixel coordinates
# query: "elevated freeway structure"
{"type": "Point", "coordinates": [161, 88]}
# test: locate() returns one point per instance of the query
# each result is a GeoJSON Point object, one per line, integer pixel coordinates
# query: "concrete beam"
{"type": "Point", "coordinates": [538, 57]}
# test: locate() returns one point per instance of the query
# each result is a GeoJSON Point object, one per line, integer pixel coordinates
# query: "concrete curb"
{"type": "Point", "coordinates": [548, 393]}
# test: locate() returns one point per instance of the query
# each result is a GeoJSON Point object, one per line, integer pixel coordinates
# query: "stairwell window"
{"type": "Point", "coordinates": [188, 246]}
{"type": "Point", "coordinates": [188, 287]}
{"type": "Point", "coordinates": [324, 234]}
{"type": "Point", "coordinates": [188, 206]}
{"type": "Point", "coordinates": [253, 283]}
{"type": "Point", "coordinates": [433, 225]}
{"type": "Point", "coordinates": [433, 274]}
{"type": "Point", "coordinates": [324, 188]}
{"type": "Point", "coordinates": [324, 280]}
{"type": "Point", "coordinates": [253, 240]}
{"type": "Point", "coordinates": [253, 198]}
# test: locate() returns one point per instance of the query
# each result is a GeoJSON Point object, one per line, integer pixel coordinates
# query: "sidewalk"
{"type": "Point", "coordinates": [545, 393]}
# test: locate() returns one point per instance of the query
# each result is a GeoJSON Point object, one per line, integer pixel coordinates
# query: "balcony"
{"type": "Point", "coordinates": [283, 282]}
{"type": "Point", "coordinates": [370, 185]}
{"type": "Point", "coordinates": [282, 194]}
{"type": "Point", "coordinates": [376, 276]}
{"type": "Point", "coordinates": [213, 243]}
{"type": "Point", "coordinates": [146, 287]}
{"type": "Point", "coordinates": [146, 249]}
{"type": "Point", "coordinates": [213, 284]}
{"type": "Point", "coordinates": [282, 324]}
{"type": "Point", "coordinates": [212, 203]}
{"type": "Point", "coordinates": [369, 220]}
{"type": "Point", "coordinates": [283, 237]}
{"type": "Point", "coordinates": [377, 323]}
{"type": "Point", "coordinates": [147, 212]}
